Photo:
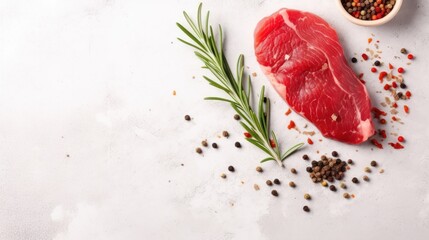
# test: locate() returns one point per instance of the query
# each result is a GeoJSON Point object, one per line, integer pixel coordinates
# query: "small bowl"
{"type": "Point", "coordinates": [370, 23]}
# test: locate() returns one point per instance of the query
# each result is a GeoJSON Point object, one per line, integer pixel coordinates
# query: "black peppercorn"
{"type": "Point", "coordinates": [225, 134]}
{"type": "Point", "coordinates": [374, 163]}
{"type": "Point", "coordinates": [355, 180]}
{"type": "Point", "coordinates": [402, 85]}
{"type": "Point", "coordinates": [335, 154]}
{"type": "Point", "coordinates": [269, 183]}
{"type": "Point", "coordinates": [237, 144]}
{"type": "Point", "coordinates": [305, 157]}
{"type": "Point", "coordinates": [199, 150]}
{"type": "Point", "coordinates": [237, 117]}
{"type": "Point", "coordinates": [306, 209]}
{"type": "Point", "coordinates": [214, 145]}
{"type": "Point", "coordinates": [399, 94]}
{"type": "Point", "coordinates": [333, 188]}
{"type": "Point", "coordinates": [350, 161]}
{"type": "Point", "coordinates": [187, 118]}
{"type": "Point", "coordinates": [377, 63]}
{"type": "Point", "coordinates": [293, 170]}
{"type": "Point", "coordinates": [313, 163]}
{"type": "Point", "coordinates": [231, 169]}
{"type": "Point", "coordinates": [275, 193]}
{"type": "Point", "coordinates": [277, 181]}
{"type": "Point", "coordinates": [354, 60]}
{"type": "Point", "coordinates": [309, 169]}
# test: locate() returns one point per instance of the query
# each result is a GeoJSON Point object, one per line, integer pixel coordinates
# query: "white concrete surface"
{"type": "Point", "coordinates": [92, 139]}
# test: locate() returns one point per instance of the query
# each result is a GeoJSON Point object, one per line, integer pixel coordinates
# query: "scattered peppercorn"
{"type": "Point", "coordinates": [292, 184]}
{"type": "Point", "coordinates": [307, 196]}
{"type": "Point", "coordinates": [355, 180]}
{"type": "Point", "coordinates": [377, 63]}
{"type": "Point", "coordinates": [276, 181]}
{"type": "Point", "coordinates": [354, 60]}
{"type": "Point", "coordinates": [305, 157]}
{"type": "Point", "coordinates": [410, 56]}
{"type": "Point", "coordinates": [366, 178]}
{"type": "Point", "coordinates": [343, 185]}
{"type": "Point", "coordinates": [399, 94]}
{"type": "Point", "coordinates": [367, 169]}
{"type": "Point", "coordinates": [401, 139]}
{"type": "Point", "coordinates": [403, 85]}
{"type": "Point", "coordinates": [223, 175]}
{"type": "Point", "coordinates": [187, 118]}
{"type": "Point", "coordinates": [346, 195]}
{"type": "Point", "coordinates": [231, 169]}
{"type": "Point", "coordinates": [225, 134]}
{"type": "Point", "coordinates": [269, 183]}
{"type": "Point", "coordinates": [364, 56]}
{"type": "Point", "coordinates": [199, 150]}
{"type": "Point", "coordinates": [309, 169]}
{"type": "Point", "coordinates": [401, 70]}
{"type": "Point", "coordinates": [335, 154]}
{"type": "Point", "coordinates": [404, 51]}
{"type": "Point", "coordinates": [204, 143]}
{"type": "Point", "coordinates": [237, 117]}
{"type": "Point", "coordinates": [350, 161]}
{"type": "Point", "coordinates": [259, 169]}
{"type": "Point", "coordinates": [324, 183]}
{"type": "Point", "coordinates": [333, 188]}
{"type": "Point", "coordinates": [237, 144]}
{"type": "Point", "coordinates": [293, 170]}
{"type": "Point", "coordinates": [275, 193]}
{"type": "Point", "coordinates": [306, 209]}
{"type": "Point", "coordinates": [373, 163]}
{"type": "Point", "coordinates": [214, 145]}
{"type": "Point", "coordinates": [373, 69]}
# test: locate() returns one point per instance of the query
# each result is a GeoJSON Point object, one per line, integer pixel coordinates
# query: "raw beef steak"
{"type": "Point", "coordinates": [303, 58]}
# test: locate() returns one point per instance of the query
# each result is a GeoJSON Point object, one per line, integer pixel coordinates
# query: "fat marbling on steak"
{"type": "Point", "coordinates": [301, 55]}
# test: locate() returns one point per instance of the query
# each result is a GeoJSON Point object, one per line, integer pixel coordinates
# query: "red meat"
{"type": "Point", "coordinates": [301, 55]}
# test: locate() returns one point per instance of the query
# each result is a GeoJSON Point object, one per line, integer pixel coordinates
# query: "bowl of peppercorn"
{"type": "Point", "coordinates": [369, 12]}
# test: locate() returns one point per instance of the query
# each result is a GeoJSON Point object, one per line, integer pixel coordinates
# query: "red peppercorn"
{"type": "Point", "coordinates": [401, 139]}
{"type": "Point", "coordinates": [291, 125]}
{"type": "Point", "coordinates": [406, 109]}
{"type": "Point", "coordinates": [401, 70]}
{"type": "Point", "coordinates": [391, 66]}
{"type": "Point", "coordinates": [395, 105]}
{"type": "Point", "coordinates": [247, 135]}
{"type": "Point", "coordinates": [386, 87]}
{"type": "Point", "coordinates": [410, 56]}
{"type": "Point", "coordinates": [394, 85]}
{"type": "Point", "coordinates": [272, 143]}
{"type": "Point", "coordinates": [373, 69]}
{"type": "Point", "coordinates": [383, 121]}
{"type": "Point", "coordinates": [309, 141]}
{"type": "Point", "coordinates": [408, 94]}
{"type": "Point", "coordinates": [364, 56]}
{"type": "Point", "coordinates": [288, 112]}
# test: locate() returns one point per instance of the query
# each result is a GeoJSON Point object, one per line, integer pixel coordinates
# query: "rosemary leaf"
{"type": "Point", "coordinates": [209, 50]}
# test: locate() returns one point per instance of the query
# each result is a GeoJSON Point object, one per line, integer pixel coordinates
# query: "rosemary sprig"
{"type": "Point", "coordinates": [210, 52]}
